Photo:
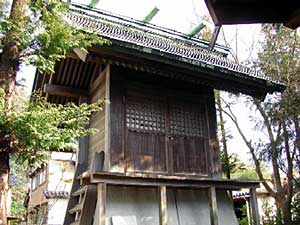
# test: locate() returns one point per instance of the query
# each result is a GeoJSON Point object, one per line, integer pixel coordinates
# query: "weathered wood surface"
{"type": "Point", "coordinates": [254, 206]}
{"type": "Point", "coordinates": [100, 211]}
{"type": "Point", "coordinates": [117, 133]}
{"type": "Point", "coordinates": [126, 202]}
{"type": "Point", "coordinates": [226, 214]}
{"type": "Point", "coordinates": [212, 196]}
{"type": "Point", "coordinates": [89, 204]}
{"type": "Point", "coordinates": [142, 179]}
{"type": "Point", "coordinates": [98, 91]}
{"type": "Point", "coordinates": [187, 206]}
{"type": "Point", "coordinates": [155, 131]}
{"type": "Point", "coordinates": [163, 215]}
{"type": "Point", "coordinates": [65, 91]}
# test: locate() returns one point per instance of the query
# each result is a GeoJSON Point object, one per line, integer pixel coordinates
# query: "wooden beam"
{"type": "Point", "coordinates": [163, 215]}
{"type": "Point", "coordinates": [214, 36]}
{"type": "Point", "coordinates": [81, 53]}
{"type": "Point", "coordinates": [254, 206]}
{"type": "Point", "coordinates": [65, 91]}
{"type": "Point", "coordinates": [294, 21]}
{"type": "Point", "coordinates": [99, 218]}
{"type": "Point", "coordinates": [89, 203]}
{"type": "Point", "coordinates": [170, 181]}
{"type": "Point", "coordinates": [213, 206]}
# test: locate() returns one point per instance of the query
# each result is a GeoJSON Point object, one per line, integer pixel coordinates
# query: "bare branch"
{"type": "Point", "coordinates": [233, 118]}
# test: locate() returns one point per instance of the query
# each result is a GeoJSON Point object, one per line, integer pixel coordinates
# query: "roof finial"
{"type": "Point", "coordinates": [151, 15]}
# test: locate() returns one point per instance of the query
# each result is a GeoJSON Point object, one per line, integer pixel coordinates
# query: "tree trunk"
{"type": "Point", "coordinates": [9, 65]}
{"type": "Point", "coordinates": [4, 172]}
{"type": "Point", "coordinates": [285, 208]}
{"type": "Point", "coordinates": [223, 134]}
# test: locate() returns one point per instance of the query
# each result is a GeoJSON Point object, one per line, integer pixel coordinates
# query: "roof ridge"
{"type": "Point", "coordinates": [219, 48]}
{"type": "Point", "coordinates": [134, 33]}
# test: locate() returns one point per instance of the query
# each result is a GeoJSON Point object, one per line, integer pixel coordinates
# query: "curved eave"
{"type": "Point", "coordinates": [212, 75]}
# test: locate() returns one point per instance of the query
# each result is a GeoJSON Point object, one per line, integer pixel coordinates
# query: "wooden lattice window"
{"type": "Point", "coordinates": [146, 113]}
{"type": "Point", "coordinates": [188, 119]}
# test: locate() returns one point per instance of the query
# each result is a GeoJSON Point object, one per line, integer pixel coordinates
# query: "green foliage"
{"type": "Point", "coordinates": [249, 173]}
{"type": "Point", "coordinates": [280, 52]}
{"type": "Point", "coordinates": [280, 59]}
{"type": "Point", "coordinates": [18, 188]}
{"type": "Point", "coordinates": [268, 211]}
{"type": "Point", "coordinates": [38, 126]}
{"type": "Point", "coordinates": [234, 163]}
{"type": "Point", "coordinates": [244, 219]}
{"type": "Point", "coordinates": [295, 209]}
{"type": "Point", "coordinates": [45, 37]}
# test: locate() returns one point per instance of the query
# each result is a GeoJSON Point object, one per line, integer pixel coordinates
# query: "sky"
{"type": "Point", "coordinates": [182, 16]}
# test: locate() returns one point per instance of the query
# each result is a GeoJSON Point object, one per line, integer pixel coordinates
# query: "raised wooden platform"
{"type": "Point", "coordinates": [208, 195]}
{"type": "Point", "coordinates": [139, 179]}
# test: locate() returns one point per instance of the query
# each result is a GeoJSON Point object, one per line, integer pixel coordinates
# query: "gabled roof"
{"type": "Point", "coordinates": [154, 50]}
{"type": "Point", "coordinates": [165, 43]}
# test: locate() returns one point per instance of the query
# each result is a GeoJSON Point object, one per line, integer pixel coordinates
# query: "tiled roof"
{"type": "Point", "coordinates": [184, 48]}
{"type": "Point", "coordinates": [56, 194]}
{"type": "Point", "coordinates": [241, 195]}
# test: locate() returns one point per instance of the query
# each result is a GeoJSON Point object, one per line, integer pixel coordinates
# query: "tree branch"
{"type": "Point", "coordinates": [274, 150]}
{"type": "Point", "coordinates": [233, 118]}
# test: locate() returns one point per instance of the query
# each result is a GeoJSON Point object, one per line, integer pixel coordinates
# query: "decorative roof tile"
{"type": "Point", "coordinates": [56, 194]}
{"type": "Point", "coordinates": [128, 30]}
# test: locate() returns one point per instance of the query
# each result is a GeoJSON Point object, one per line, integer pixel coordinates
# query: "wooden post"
{"type": "Point", "coordinates": [214, 37]}
{"type": "Point", "coordinates": [213, 206]}
{"type": "Point", "coordinates": [99, 218]}
{"type": "Point", "coordinates": [163, 215]}
{"type": "Point", "coordinates": [254, 206]}
{"type": "Point", "coordinates": [83, 146]}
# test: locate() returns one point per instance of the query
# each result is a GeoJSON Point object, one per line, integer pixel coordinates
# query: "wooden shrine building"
{"type": "Point", "coordinates": [155, 159]}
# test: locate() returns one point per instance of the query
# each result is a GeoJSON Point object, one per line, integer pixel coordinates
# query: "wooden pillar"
{"type": "Point", "coordinates": [254, 206]}
{"type": "Point", "coordinates": [83, 146]}
{"type": "Point", "coordinates": [163, 215]}
{"type": "Point", "coordinates": [99, 218]}
{"type": "Point", "coordinates": [213, 206]}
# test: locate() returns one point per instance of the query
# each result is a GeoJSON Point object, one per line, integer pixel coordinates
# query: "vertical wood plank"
{"type": "Point", "coordinates": [117, 129]}
{"type": "Point", "coordinates": [163, 215]}
{"type": "Point", "coordinates": [83, 144]}
{"type": "Point", "coordinates": [99, 218]}
{"type": "Point", "coordinates": [254, 206]}
{"type": "Point", "coordinates": [213, 151]}
{"type": "Point", "coordinates": [107, 119]}
{"type": "Point", "coordinates": [212, 196]}
{"type": "Point", "coordinates": [89, 204]}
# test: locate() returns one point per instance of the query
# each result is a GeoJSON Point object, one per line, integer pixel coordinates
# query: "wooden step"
{"type": "Point", "coordinates": [76, 208]}
{"type": "Point", "coordinates": [79, 191]}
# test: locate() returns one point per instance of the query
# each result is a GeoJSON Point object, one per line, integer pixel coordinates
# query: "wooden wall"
{"type": "Point", "coordinates": [156, 145]}
{"type": "Point", "coordinates": [99, 120]}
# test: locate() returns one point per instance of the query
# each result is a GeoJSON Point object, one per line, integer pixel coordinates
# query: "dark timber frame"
{"type": "Point", "coordinates": [255, 11]}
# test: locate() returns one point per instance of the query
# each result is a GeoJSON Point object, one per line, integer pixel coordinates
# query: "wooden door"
{"type": "Point", "coordinates": [145, 132]}
{"type": "Point", "coordinates": [164, 133]}
{"type": "Point", "coordinates": [188, 136]}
